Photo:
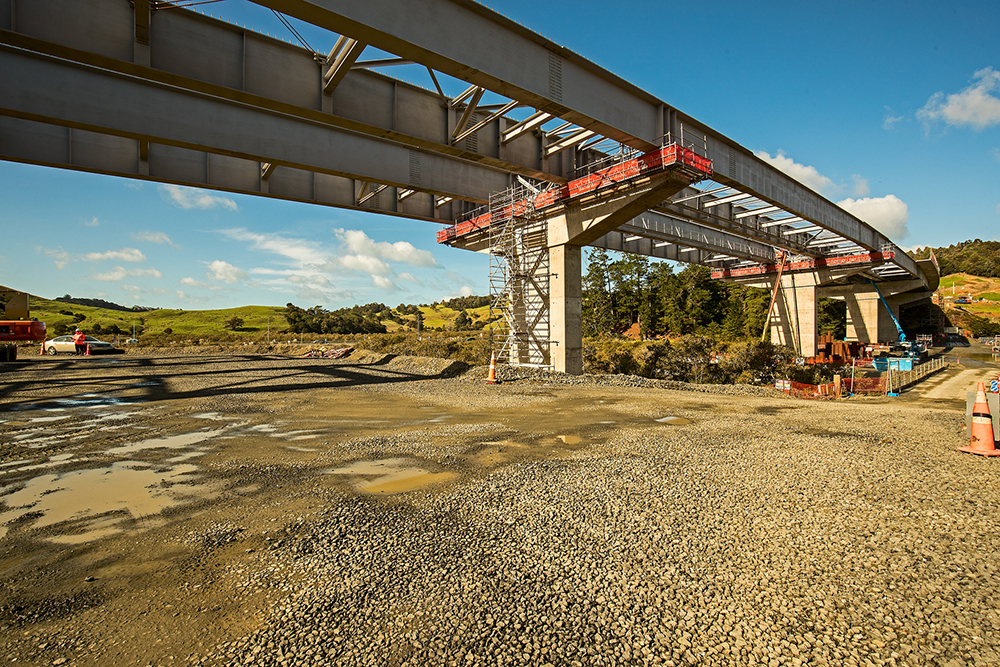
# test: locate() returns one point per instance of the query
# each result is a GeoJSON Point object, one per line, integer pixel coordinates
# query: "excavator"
{"type": "Point", "coordinates": [17, 326]}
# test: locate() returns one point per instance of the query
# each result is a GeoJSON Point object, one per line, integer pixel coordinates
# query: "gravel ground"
{"type": "Point", "coordinates": [600, 520]}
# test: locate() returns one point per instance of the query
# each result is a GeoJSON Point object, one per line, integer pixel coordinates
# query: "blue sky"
{"type": "Point", "coordinates": [890, 108]}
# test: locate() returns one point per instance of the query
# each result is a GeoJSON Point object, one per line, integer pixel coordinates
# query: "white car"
{"type": "Point", "coordinates": [66, 344]}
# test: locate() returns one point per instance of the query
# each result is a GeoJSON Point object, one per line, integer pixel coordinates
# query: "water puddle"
{"type": "Point", "coordinates": [49, 419]}
{"type": "Point", "coordinates": [570, 439]}
{"type": "Point", "coordinates": [390, 476]}
{"type": "Point", "coordinates": [98, 502]}
{"type": "Point", "coordinates": [168, 442]}
{"type": "Point", "coordinates": [673, 421]}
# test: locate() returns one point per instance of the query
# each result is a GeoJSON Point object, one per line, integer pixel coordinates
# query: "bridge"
{"type": "Point", "coordinates": [543, 152]}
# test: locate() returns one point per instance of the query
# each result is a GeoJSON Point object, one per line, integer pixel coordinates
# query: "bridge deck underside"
{"type": "Point", "coordinates": [91, 85]}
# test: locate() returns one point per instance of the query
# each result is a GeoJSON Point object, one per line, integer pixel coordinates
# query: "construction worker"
{"type": "Point", "coordinates": [80, 340]}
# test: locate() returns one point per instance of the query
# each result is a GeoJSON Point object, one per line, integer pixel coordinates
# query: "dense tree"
{"type": "Point", "coordinates": [621, 290]}
{"type": "Point", "coordinates": [233, 323]}
{"type": "Point", "coordinates": [977, 258]}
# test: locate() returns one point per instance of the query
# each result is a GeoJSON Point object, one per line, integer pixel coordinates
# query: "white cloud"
{"type": "Point", "coordinates": [975, 105]}
{"type": "Point", "coordinates": [120, 273]}
{"type": "Point", "coordinates": [191, 282]}
{"type": "Point", "coordinates": [60, 256]}
{"type": "Point", "coordinates": [373, 266]}
{"type": "Point", "coordinates": [153, 237]}
{"type": "Point", "coordinates": [890, 121]}
{"type": "Point", "coordinates": [408, 277]}
{"type": "Point", "coordinates": [887, 214]}
{"type": "Point", "coordinates": [804, 174]}
{"type": "Point", "coordinates": [465, 290]}
{"type": "Point", "coordinates": [996, 153]}
{"type": "Point", "coordinates": [193, 198]}
{"type": "Point", "coordinates": [384, 283]}
{"type": "Point", "coordinates": [357, 242]}
{"type": "Point", "coordinates": [861, 188]}
{"type": "Point", "coordinates": [123, 255]}
{"type": "Point", "coordinates": [225, 272]}
{"type": "Point", "coordinates": [182, 296]}
{"type": "Point", "coordinates": [93, 222]}
{"type": "Point", "coordinates": [300, 251]}
{"type": "Point", "coordinates": [133, 289]}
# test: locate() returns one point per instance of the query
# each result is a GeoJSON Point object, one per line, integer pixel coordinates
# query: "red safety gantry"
{"type": "Point", "coordinates": [669, 158]}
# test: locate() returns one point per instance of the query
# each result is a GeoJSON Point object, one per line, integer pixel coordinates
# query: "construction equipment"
{"type": "Point", "coordinates": [909, 349]}
{"type": "Point", "coordinates": [17, 326]}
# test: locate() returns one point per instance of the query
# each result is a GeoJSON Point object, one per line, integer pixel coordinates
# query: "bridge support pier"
{"type": "Point", "coordinates": [793, 322]}
{"type": "Point", "coordinates": [566, 308]}
{"type": "Point", "coordinates": [868, 319]}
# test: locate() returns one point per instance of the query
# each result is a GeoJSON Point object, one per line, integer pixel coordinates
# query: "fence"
{"type": "Point", "coordinates": [887, 383]}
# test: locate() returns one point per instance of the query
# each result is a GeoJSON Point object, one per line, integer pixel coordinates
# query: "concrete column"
{"type": "Point", "coordinates": [794, 321]}
{"type": "Point", "coordinates": [864, 317]}
{"type": "Point", "coordinates": [565, 308]}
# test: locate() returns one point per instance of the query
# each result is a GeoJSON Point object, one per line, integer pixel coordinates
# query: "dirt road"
{"type": "Point", "coordinates": [266, 510]}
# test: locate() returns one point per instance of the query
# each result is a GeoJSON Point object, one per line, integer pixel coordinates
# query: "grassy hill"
{"type": "Point", "coordinates": [211, 324]}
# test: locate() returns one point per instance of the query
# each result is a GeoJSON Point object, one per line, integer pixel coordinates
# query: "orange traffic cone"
{"type": "Point", "coordinates": [492, 378]}
{"type": "Point", "coordinates": [982, 427]}
{"type": "Point", "coordinates": [43, 349]}
{"type": "Point", "coordinates": [88, 350]}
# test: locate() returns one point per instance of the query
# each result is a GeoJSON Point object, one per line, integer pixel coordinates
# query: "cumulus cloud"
{"type": "Point", "coordinates": [123, 255]}
{"type": "Point", "coordinates": [225, 272]}
{"type": "Point", "coordinates": [887, 214]}
{"type": "Point", "coordinates": [861, 188]}
{"type": "Point", "coordinates": [120, 273]}
{"type": "Point", "coordinates": [152, 237]}
{"type": "Point", "coordinates": [384, 283]}
{"type": "Point", "coordinates": [60, 256]}
{"type": "Point", "coordinates": [357, 242]}
{"type": "Point", "coordinates": [976, 106]}
{"type": "Point", "coordinates": [193, 198]}
{"type": "Point", "coordinates": [312, 268]}
{"type": "Point", "coordinates": [93, 222]}
{"type": "Point", "coordinates": [804, 174]}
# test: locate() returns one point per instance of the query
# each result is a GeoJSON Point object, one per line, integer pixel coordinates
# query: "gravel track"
{"type": "Point", "coordinates": [767, 531]}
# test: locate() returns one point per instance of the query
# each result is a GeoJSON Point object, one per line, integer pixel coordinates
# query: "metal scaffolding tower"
{"type": "Point", "coordinates": [519, 278]}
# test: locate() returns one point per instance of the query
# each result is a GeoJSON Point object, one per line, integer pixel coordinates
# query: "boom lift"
{"type": "Point", "coordinates": [910, 349]}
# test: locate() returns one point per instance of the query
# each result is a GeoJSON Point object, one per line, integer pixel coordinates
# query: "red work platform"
{"type": "Point", "coordinates": [671, 157]}
{"type": "Point", "coordinates": [805, 265]}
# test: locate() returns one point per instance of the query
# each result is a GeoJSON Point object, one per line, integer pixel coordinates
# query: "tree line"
{"type": "Point", "coordinates": [976, 257]}
{"type": "Point", "coordinates": [623, 290]}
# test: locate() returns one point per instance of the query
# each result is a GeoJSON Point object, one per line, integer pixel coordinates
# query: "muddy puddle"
{"type": "Point", "coordinates": [96, 502]}
{"type": "Point", "coordinates": [391, 476]}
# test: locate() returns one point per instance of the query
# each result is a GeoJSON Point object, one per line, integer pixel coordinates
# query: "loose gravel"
{"type": "Point", "coordinates": [766, 531]}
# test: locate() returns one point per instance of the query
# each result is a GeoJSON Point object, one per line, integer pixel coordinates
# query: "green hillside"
{"type": "Point", "coordinates": [164, 324]}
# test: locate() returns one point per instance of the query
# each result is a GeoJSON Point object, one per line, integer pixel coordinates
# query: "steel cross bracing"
{"type": "Point", "coordinates": [149, 90]}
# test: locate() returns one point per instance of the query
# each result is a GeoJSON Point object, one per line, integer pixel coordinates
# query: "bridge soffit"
{"type": "Point", "coordinates": [505, 58]}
